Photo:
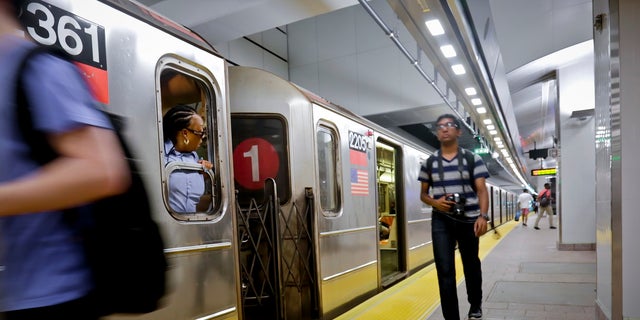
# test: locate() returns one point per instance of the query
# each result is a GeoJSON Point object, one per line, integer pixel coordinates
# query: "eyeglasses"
{"type": "Point", "coordinates": [197, 133]}
{"type": "Point", "coordinates": [446, 125]}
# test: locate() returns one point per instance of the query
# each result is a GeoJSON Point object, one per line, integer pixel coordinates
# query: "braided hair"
{"type": "Point", "coordinates": [176, 119]}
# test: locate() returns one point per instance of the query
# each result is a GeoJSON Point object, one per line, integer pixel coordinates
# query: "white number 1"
{"type": "Point", "coordinates": [255, 169]}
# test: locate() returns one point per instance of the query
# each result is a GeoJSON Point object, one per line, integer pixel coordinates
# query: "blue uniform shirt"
{"type": "Point", "coordinates": [186, 187]}
{"type": "Point", "coordinates": [41, 258]}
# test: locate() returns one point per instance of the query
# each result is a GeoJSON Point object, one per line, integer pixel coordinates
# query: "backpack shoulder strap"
{"type": "Point", "coordinates": [471, 165]}
{"type": "Point", "coordinates": [429, 165]}
{"type": "Point", "coordinates": [40, 150]}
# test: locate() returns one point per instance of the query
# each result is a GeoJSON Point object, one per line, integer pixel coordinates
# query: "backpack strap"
{"type": "Point", "coordinates": [468, 157]}
{"type": "Point", "coordinates": [39, 148]}
{"type": "Point", "coordinates": [471, 165]}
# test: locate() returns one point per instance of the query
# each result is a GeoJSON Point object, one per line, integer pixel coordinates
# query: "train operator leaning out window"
{"type": "Point", "coordinates": [184, 132]}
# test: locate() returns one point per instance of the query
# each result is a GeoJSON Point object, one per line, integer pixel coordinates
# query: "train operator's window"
{"type": "Point", "coordinates": [260, 153]}
{"type": "Point", "coordinates": [187, 120]}
{"type": "Point", "coordinates": [327, 169]}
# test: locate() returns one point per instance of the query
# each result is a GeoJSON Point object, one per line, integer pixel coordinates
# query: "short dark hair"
{"type": "Point", "coordinates": [547, 185]}
{"type": "Point", "coordinates": [449, 116]}
{"type": "Point", "coordinates": [525, 190]}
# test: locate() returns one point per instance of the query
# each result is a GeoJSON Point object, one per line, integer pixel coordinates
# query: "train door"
{"type": "Point", "coordinates": [495, 205]}
{"type": "Point", "coordinates": [390, 213]}
{"type": "Point", "coordinates": [275, 228]}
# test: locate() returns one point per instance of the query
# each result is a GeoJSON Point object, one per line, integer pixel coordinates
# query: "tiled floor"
{"type": "Point", "coordinates": [527, 277]}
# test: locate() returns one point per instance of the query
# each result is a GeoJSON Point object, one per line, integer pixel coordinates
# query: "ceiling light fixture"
{"type": "Point", "coordinates": [476, 102]}
{"type": "Point", "coordinates": [471, 91]}
{"type": "Point", "coordinates": [434, 27]}
{"type": "Point", "coordinates": [448, 51]}
{"type": "Point", "coordinates": [491, 127]}
{"type": "Point", "coordinates": [487, 121]}
{"type": "Point", "coordinates": [481, 110]}
{"type": "Point", "coordinates": [458, 69]}
{"type": "Point", "coordinates": [493, 132]}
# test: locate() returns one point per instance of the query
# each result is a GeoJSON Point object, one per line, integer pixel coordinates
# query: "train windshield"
{"type": "Point", "coordinates": [259, 153]}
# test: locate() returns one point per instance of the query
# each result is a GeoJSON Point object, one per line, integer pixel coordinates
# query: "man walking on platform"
{"type": "Point", "coordinates": [524, 201]}
{"type": "Point", "coordinates": [460, 202]}
{"type": "Point", "coordinates": [544, 198]}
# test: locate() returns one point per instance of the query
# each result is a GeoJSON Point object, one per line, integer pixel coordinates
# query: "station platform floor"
{"type": "Point", "coordinates": [525, 276]}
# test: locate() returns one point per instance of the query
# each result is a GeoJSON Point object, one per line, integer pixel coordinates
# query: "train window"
{"type": "Point", "coordinates": [187, 119]}
{"type": "Point", "coordinates": [327, 169]}
{"type": "Point", "coordinates": [260, 153]}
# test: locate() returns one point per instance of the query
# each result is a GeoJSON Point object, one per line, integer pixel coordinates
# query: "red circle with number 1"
{"type": "Point", "coordinates": [254, 160]}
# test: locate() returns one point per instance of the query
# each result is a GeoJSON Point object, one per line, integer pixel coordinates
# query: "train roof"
{"type": "Point", "coordinates": [161, 22]}
{"type": "Point", "coordinates": [259, 77]}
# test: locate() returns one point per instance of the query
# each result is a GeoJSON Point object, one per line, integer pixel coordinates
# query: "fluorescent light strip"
{"type": "Point", "coordinates": [434, 26]}
{"type": "Point", "coordinates": [458, 69]}
{"type": "Point", "coordinates": [448, 51]}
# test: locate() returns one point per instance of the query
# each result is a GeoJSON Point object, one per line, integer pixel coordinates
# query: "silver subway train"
{"type": "Point", "coordinates": [311, 209]}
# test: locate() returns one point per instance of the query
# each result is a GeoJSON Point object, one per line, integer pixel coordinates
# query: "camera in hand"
{"type": "Point", "coordinates": [458, 208]}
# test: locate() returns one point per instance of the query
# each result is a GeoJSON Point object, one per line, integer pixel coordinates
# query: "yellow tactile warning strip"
{"type": "Point", "coordinates": [417, 296]}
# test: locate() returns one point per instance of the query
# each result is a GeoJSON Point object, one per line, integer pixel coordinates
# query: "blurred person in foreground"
{"type": "Point", "coordinates": [43, 269]}
{"type": "Point", "coordinates": [461, 222]}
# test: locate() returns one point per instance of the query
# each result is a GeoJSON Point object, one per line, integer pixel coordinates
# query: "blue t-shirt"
{"type": "Point", "coordinates": [41, 258]}
{"type": "Point", "coordinates": [186, 187]}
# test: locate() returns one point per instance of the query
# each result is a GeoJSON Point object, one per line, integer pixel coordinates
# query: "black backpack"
{"type": "Point", "coordinates": [123, 244]}
{"type": "Point", "coordinates": [544, 199]}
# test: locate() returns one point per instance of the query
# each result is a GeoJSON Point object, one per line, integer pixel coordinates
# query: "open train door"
{"type": "Point", "coordinates": [390, 213]}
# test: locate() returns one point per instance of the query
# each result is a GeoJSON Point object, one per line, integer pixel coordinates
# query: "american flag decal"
{"type": "Point", "coordinates": [359, 182]}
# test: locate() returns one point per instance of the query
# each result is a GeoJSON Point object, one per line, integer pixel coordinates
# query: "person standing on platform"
{"type": "Point", "coordinates": [460, 203]}
{"type": "Point", "coordinates": [524, 201]}
{"type": "Point", "coordinates": [544, 199]}
{"type": "Point", "coordinates": [43, 269]}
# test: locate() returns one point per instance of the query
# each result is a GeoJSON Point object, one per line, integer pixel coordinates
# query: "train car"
{"type": "Point", "coordinates": [340, 217]}
{"type": "Point", "coordinates": [139, 65]}
{"type": "Point", "coordinates": [310, 208]}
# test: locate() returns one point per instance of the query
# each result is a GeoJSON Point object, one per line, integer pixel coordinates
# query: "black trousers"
{"type": "Point", "coordinates": [445, 233]}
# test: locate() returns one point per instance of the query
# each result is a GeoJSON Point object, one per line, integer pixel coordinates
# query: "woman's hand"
{"type": "Point", "coordinates": [205, 164]}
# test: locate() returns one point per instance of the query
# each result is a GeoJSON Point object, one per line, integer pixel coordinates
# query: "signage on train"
{"type": "Point", "coordinates": [358, 145]}
{"type": "Point", "coordinates": [544, 172]}
{"type": "Point", "coordinates": [358, 142]}
{"type": "Point", "coordinates": [254, 160]}
{"type": "Point", "coordinates": [83, 40]}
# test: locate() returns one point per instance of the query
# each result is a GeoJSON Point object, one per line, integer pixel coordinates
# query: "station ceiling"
{"type": "Point", "coordinates": [519, 44]}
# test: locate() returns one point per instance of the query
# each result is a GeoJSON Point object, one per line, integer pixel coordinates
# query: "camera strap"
{"type": "Point", "coordinates": [460, 168]}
